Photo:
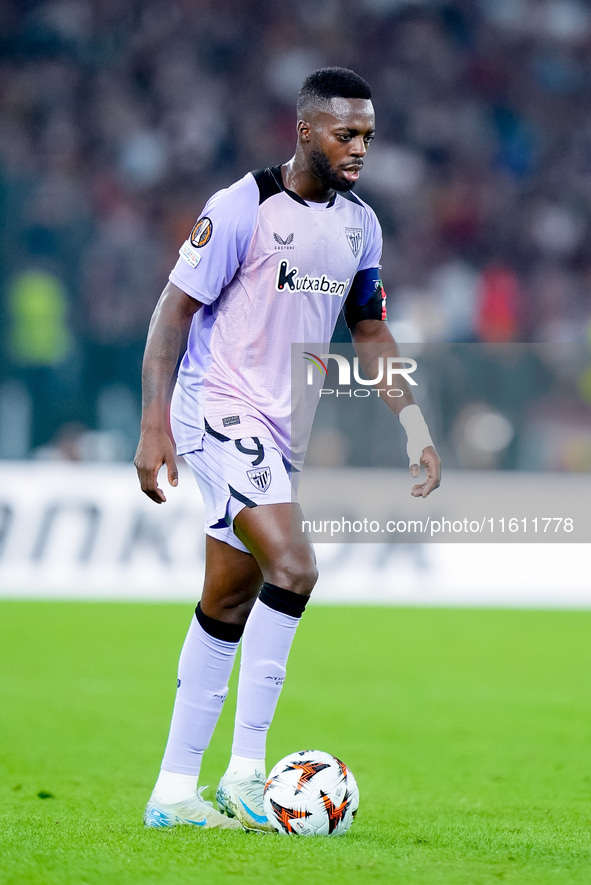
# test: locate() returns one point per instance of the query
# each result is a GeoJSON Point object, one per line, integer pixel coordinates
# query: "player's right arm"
{"type": "Point", "coordinates": [167, 334]}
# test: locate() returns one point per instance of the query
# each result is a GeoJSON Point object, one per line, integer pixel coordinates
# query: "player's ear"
{"type": "Point", "coordinates": [304, 130]}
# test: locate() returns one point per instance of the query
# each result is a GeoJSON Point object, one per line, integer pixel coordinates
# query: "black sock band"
{"type": "Point", "coordinates": [285, 601]}
{"type": "Point", "coordinates": [219, 629]}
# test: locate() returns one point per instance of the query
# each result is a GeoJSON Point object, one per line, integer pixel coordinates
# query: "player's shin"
{"type": "Point", "coordinates": [204, 669]}
{"type": "Point", "coordinates": [267, 640]}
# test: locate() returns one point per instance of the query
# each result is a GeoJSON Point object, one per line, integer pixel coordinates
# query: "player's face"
{"type": "Point", "coordinates": [339, 140]}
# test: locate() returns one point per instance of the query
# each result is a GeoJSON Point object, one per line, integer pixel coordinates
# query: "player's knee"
{"type": "Point", "coordinates": [235, 609]}
{"type": "Point", "coordinates": [295, 573]}
{"type": "Point", "coordinates": [229, 604]}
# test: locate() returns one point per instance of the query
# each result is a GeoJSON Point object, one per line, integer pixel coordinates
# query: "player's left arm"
{"type": "Point", "coordinates": [372, 339]}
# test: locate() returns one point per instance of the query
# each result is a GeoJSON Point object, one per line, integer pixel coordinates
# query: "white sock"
{"type": "Point", "coordinates": [204, 669]}
{"type": "Point", "coordinates": [265, 648]}
{"type": "Point", "coordinates": [172, 787]}
{"type": "Point", "coordinates": [242, 767]}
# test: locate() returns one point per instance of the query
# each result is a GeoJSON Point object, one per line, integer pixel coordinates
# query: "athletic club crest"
{"type": "Point", "coordinates": [260, 478]}
{"type": "Point", "coordinates": [355, 239]}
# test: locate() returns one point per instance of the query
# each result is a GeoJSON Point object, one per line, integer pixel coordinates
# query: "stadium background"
{"type": "Point", "coordinates": [117, 121]}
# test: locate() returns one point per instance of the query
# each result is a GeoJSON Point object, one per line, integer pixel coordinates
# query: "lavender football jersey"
{"type": "Point", "coordinates": [270, 270]}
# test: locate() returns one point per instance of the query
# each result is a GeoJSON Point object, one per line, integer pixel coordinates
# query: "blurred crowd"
{"type": "Point", "coordinates": [118, 120]}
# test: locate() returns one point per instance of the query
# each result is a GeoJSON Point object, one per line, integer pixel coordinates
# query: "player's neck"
{"type": "Point", "coordinates": [299, 178]}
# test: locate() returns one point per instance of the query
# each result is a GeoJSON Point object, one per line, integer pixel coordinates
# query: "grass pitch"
{"type": "Point", "coordinates": [469, 733]}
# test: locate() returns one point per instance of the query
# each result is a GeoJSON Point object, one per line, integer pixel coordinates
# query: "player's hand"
{"type": "Point", "coordinates": [155, 448]}
{"type": "Point", "coordinates": [431, 461]}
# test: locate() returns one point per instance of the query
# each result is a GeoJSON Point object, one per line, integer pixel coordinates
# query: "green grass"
{"type": "Point", "coordinates": [469, 733]}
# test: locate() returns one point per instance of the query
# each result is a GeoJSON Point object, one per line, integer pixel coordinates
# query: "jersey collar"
{"type": "Point", "coordinates": [276, 173]}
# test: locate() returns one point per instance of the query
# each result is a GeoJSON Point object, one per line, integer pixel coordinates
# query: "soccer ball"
{"type": "Point", "coordinates": [311, 793]}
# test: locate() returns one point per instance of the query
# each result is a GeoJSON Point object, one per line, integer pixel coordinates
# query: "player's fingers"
{"type": "Point", "coordinates": [415, 470]}
{"type": "Point", "coordinates": [173, 473]}
{"type": "Point", "coordinates": [421, 491]}
{"type": "Point", "coordinates": [432, 463]}
{"type": "Point", "coordinates": [149, 485]}
{"type": "Point", "coordinates": [156, 495]}
{"type": "Point", "coordinates": [432, 466]}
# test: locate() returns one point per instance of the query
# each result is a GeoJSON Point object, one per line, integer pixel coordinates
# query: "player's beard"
{"type": "Point", "coordinates": [327, 173]}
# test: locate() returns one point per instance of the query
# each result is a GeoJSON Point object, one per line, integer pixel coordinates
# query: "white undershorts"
{"type": "Point", "coordinates": [233, 474]}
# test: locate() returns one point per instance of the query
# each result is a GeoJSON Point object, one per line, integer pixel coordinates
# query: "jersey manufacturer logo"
{"type": "Point", "coordinates": [232, 419]}
{"type": "Point", "coordinates": [260, 478]}
{"type": "Point", "coordinates": [288, 277]}
{"type": "Point", "coordinates": [201, 233]}
{"type": "Point", "coordinates": [354, 238]}
{"type": "Point", "coordinates": [283, 243]}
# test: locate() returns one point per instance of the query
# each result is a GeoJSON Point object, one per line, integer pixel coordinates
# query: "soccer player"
{"type": "Point", "coordinates": [271, 262]}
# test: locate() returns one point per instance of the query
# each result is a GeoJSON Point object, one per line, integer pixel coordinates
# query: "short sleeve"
{"type": "Point", "coordinates": [366, 299]}
{"type": "Point", "coordinates": [219, 241]}
{"type": "Point", "coordinates": [372, 251]}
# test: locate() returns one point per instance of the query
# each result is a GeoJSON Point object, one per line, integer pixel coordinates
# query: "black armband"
{"type": "Point", "coordinates": [366, 299]}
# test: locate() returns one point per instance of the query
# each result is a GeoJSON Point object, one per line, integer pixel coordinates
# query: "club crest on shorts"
{"type": "Point", "coordinates": [355, 239]}
{"type": "Point", "coordinates": [260, 478]}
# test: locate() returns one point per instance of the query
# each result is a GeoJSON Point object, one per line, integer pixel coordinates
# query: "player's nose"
{"type": "Point", "coordinates": [358, 147]}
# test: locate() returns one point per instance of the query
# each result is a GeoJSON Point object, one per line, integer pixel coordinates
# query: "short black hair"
{"type": "Point", "coordinates": [322, 85]}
